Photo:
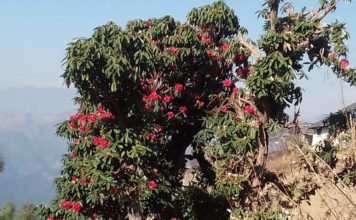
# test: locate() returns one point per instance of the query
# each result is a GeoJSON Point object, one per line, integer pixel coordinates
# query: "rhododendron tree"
{"type": "Point", "coordinates": [149, 91]}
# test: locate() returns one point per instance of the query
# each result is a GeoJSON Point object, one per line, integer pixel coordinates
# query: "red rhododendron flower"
{"type": "Point", "coordinates": [243, 71]}
{"type": "Point", "coordinates": [246, 70]}
{"type": "Point", "coordinates": [95, 216]}
{"type": "Point", "coordinates": [183, 109]}
{"type": "Point", "coordinates": [227, 83]}
{"type": "Point", "coordinates": [148, 107]}
{"type": "Point", "coordinates": [83, 119]}
{"type": "Point", "coordinates": [235, 90]}
{"type": "Point", "coordinates": [344, 63]}
{"type": "Point", "coordinates": [211, 53]}
{"type": "Point", "coordinates": [225, 47]}
{"type": "Point", "coordinates": [104, 143]}
{"type": "Point", "coordinates": [150, 81]}
{"type": "Point", "coordinates": [106, 115]}
{"type": "Point", "coordinates": [148, 24]}
{"type": "Point", "coordinates": [50, 218]}
{"type": "Point", "coordinates": [172, 50]}
{"type": "Point", "coordinates": [84, 181]}
{"type": "Point", "coordinates": [66, 204]}
{"type": "Point", "coordinates": [82, 128]}
{"type": "Point", "coordinates": [163, 109]}
{"type": "Point", "coordinates": [96, 140]}
{"type": "Point", "coordinates": [155, 170]}
{"type": "Point", "coordinates": [92, 118]}
{"type": "Point", "coordinates": [152, 136]}
{"type": "Point", "coordinates": [333, 56]}
{"type": "Point", "coordinates": [73, 118]}
{"type": "Point", "coordinates": [223, 108]}
{"type": "Point", "coordinates": [239, 71]}
{"type": "Point", "coordinates": [204, 38]}
{"type": "Point", "coordinates": [196, 97]}
{"type": "Point", "coordinates": [167, 99]}
{"type": "Point", "coordinates": [73, 126]}
{"type": "Point", "coordinates": [74, 179]}
{"type": "Point", "coordinates": [73, 154]}
{"type": "Point", "coordinates": [152, 184]}
{"type": "Point", "coordinates": [170, 115]}
{"type": "Point", "coordinates": [239, 58]}
{"type": "Point", "coordinates": [201, 104]}
{"type": "Point", "coordinates": [178, 87]}
{"type": "Point", "coordinates": [154, 97]}
{"type": "Point", "coordinates": [76, 207]}
{"type": "Point", "coordinates": [159, 129]}
{"type": "Point", "coordinates": [218, 57]}
{"type": "Point", "coordinates": [249, 109]}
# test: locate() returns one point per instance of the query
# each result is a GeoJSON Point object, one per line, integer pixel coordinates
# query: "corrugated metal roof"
{"type": "Point", "coordinates": [306, 128]}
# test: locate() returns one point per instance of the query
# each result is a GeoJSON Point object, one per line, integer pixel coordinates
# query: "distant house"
{"type": "Point", "coordinates": [316, 133]}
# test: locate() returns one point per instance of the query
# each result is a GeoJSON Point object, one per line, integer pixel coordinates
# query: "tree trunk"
{"type": "Point", "coordinates": [262, 146]}
{"type": "Point", "coordinates": [134, 210]}
{"type": "Point", "coordinates": [274, 14]}
{"type": "Point", "coordinates": [262, 139]}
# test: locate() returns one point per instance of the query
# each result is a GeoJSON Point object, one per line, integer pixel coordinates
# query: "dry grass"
{"type": "Point", "coordinates": [300, 166]}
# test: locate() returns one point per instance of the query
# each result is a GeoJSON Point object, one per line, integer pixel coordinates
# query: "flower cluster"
{"type": "Point", "coordinates": [100, 142]}
{"type": "Point", "coordinates": [243, 71]}
{"type": "Point", "coordinates": [74, 206]}
{"type": "Point", "coordinates": [205, 39]}
{"type": "Point", "coordinates": [80, 121]}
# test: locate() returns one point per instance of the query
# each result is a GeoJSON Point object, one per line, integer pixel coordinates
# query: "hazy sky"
{"type": "Point", "coordinates": [34, 35]}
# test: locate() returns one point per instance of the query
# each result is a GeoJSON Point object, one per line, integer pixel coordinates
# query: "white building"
{"type": "Point", "coordinates": [316, 133]}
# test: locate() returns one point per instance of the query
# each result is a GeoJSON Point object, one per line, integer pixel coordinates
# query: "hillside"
{"type": "Point", "coordinates": [28, 143]}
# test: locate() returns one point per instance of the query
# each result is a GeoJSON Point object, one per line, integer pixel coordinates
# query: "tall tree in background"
{"type": "Point", "coordinates": [1, 164]}
{"type": "Point", "coordinates": [149, 91]}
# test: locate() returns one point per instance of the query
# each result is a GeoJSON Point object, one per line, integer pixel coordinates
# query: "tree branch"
{"type": "Point", "coordinates": [254, 50]}
{"type": "Point", "coordinates": [320, 15]}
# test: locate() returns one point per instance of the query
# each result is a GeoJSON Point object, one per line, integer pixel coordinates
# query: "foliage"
{"type": "Point", "coordinates": [7, 212]}
{"type": "Point", "coordinates": [337, 122]}
{"type": "Point", "coordinates": [150, 90]}
{"type": "Point", "coordinates": [25, 213]}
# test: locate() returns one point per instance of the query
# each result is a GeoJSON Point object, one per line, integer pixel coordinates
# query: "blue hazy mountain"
{"type": "Point", "coordinates": [31, 150]}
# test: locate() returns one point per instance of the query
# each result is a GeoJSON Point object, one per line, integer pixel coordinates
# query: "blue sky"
{"type": "Point", "coordinates": [34, 35]}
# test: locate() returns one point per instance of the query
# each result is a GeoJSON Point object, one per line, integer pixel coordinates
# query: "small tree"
{"type": "Point", "coordinates": [7, 212]}
{"type": "Point", "coordinates": [149, 91]}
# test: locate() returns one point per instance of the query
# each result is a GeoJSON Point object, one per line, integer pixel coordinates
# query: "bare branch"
{"type": "Point", "coordinates": [254, 50]}
{"type": "Point", "coordinates": [321, 13]}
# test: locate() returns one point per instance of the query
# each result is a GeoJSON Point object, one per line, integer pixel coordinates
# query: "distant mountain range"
{"type": "Point", "coordinates": [31, 150]}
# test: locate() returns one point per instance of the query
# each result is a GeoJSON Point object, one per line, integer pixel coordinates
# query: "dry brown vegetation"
{"type": "Point", "coordinates": [312, 188]}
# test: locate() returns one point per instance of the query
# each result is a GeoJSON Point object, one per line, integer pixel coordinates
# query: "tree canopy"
{"type": "Point", "coordinates": [149, 90]}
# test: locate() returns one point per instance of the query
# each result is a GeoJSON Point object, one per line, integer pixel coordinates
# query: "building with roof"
{"type": "Point", "coordinates": [316, 133]}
